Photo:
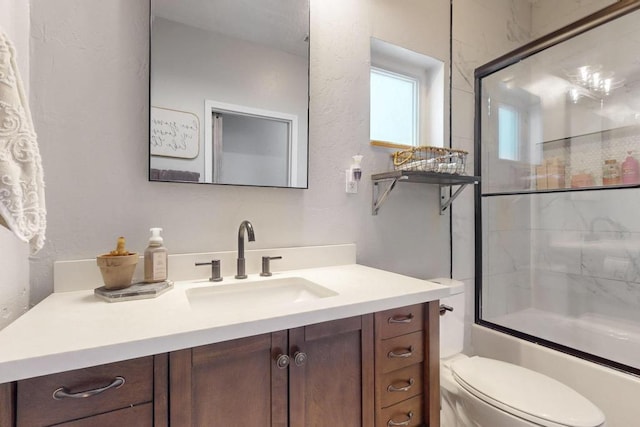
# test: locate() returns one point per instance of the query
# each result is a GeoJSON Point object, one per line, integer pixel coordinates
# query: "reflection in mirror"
{"type": "Point", "coordinates": [229, 92]}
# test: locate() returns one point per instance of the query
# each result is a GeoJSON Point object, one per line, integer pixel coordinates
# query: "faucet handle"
{"type": "Point", "coordinates": [266, 270]}
{"type": "Point", "coordinates": [215, 269]}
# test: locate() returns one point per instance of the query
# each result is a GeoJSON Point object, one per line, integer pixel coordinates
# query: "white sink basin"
{"type": "Point", "coordinates": [271, 292]}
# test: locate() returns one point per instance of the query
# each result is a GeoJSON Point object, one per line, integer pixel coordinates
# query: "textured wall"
{"type": "Point", "coordinates": [90, 86]}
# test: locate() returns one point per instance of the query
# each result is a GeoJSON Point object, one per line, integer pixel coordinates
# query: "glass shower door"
{"type": "Point", "coordinates": [558, 231]}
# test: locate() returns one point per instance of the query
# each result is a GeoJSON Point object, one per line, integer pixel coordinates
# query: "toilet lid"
{"type": "Point", "coordinates": [525, 393]}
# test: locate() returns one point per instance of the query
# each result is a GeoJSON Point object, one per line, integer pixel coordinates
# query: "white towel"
{"type": "Point", "coordinates": [22, 207]}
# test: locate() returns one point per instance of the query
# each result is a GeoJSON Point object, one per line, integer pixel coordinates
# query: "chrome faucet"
{"type": "Point", "coordinates": [251, 237]}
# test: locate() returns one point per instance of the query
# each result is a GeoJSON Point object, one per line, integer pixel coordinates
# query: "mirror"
{"type": "Point", "coordinates": [229, 92]}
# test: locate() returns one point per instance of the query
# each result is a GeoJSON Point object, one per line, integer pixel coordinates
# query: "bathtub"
{"type": "Point", "coordinates": [615, 339]}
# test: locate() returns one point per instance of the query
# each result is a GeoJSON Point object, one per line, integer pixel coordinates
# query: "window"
{"type": "Point", "coordinates": [508, 133]}
{"type": "Point", "coordinates": [394, 107]}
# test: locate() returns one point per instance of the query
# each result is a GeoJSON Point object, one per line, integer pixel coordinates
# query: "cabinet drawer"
{"type": "Point", "coordinates": [138, 416]}
{"type": "Point", "coordinates": [400, 385]}
{"type": "Point", "coordinates": [36, 405]}
{"type": "Point", "coordinates": [399, 352]}
{"type": "Point", "coordinates": [407, 413]}
{"type": "Point", "coordinates": [399, 321]}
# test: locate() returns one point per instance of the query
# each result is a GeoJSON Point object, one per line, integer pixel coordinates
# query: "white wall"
{"type": "Point", "coordinates": [89, 83]}
{"type": "Point", "coordinates": [14, 262]}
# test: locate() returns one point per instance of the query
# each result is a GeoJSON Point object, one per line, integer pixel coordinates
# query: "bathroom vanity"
{"type": "Point", "coordinates": [362, 351]}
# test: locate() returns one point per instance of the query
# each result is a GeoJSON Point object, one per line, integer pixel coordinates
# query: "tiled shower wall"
{"type": "Point", "coordinates": [586, 253]}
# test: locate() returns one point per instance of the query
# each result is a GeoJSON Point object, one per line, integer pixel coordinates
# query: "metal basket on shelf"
{"type": "Point", "coordinates": [430, 159]}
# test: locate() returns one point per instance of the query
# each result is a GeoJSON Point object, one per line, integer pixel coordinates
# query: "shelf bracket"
{"type": "Point", "coordinates": [377, 198]}
{"type": "Point", "coordinates": [445, 200]}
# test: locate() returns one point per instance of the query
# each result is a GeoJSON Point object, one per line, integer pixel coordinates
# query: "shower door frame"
{"type": "Point", "coordinates": [603, 16]}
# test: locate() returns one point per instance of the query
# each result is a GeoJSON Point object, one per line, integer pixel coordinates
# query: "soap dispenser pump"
{"type": "Point", "coordinates": [155, 258]}
{"type": "Point", "coordinates": [353, 174]}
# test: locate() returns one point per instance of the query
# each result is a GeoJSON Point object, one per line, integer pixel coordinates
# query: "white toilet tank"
{"type": "Point", "coordinates": [452, 323]}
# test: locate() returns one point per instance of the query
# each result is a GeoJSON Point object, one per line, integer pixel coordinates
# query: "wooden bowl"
{"type": "Point", "coordinates": [117, 270]}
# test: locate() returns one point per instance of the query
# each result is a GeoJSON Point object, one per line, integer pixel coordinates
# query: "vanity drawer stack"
{"type": "Point", "coordinates": [118, 393]}
{"type": "Point", "coordinates": [399, 367]}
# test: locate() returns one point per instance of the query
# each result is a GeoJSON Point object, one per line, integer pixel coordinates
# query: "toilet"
{"type": "Point", "coordinates": [482, 392]}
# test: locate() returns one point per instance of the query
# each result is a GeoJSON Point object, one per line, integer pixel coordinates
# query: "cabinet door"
{"type": "Point", "coordinates": [232, 383]}
{"type": "Point", "coordinates": [7, 405]}
{"type": "Point", "coordinates": [331, 374]}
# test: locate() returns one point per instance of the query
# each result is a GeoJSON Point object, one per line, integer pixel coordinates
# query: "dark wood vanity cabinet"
{"type": "Point", "coordinates": [376, 370]}
{"type": "Point", "coordinates": [379, 370]}
{"type": "Point", "coordinates": [320, 375]}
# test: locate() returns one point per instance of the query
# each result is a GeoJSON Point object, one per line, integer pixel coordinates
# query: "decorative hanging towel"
{"type": "Point", "coordinates": [22, 208]}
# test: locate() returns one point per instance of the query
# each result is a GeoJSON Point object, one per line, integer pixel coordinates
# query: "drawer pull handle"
{"type": "Point", "coordinates": [401, 319]}
{"type": "Point", "coordinates": [63, 392]}
{"type": "Point", "coordinates": [408, 353]}
{"type": "Point", "coordinates": [405, 388]}
{"type": "Point", "coordinates": [392, 423]}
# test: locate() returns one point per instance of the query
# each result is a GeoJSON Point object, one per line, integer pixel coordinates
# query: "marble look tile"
{"type": "Point", "coordinates": [496, 27]}
{"type": "Point", "coordinates": [550, 15]}
{"type": "Point", "coordinates": [504, 251]}
{"type": "Point", "coordinates": [611, 255]}
{"type": "Point", "coordinates": [463, 229]}
{"type": "Point", "coordinates": [466, 58]}
{"type": "Point", "coordinates": [551, 293]}
{"type": "Point", "coordinates": [557, 251]}
{"type": "Point", "coordinates": [462, 116]}
{"type": "Point", "coordinates": [506, 293]}
{"type": "Point", "coordinates": [511, 212]}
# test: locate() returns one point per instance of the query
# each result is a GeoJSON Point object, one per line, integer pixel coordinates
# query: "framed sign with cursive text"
{"type": "Point", "coordinates": [174, 133]}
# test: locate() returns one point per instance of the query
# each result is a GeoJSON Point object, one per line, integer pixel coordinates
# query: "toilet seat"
{"type": "Point", "coordinates": [525, 393]}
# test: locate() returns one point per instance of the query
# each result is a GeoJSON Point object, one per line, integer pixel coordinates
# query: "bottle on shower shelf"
{"type": "Point", "coordinates": [630, 170]}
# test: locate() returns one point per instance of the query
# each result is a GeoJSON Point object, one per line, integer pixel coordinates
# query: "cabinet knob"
{"type": "Point", "coordinates": [64, 393]}
{"type": "Point", "coordinates": [392, 423]}
{"type": "Point", "coordinates": [300, 358]}
{"type": "Point", "coordinates": [282, 361]}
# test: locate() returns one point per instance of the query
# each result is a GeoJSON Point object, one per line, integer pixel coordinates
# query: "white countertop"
{"type": "Point", "coordinates": [71, 330]}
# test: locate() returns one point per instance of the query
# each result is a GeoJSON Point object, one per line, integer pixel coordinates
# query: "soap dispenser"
{"type": "Point", "coordinates": [356, 169]}
{"type": "Point", "coordinates": [155, 258]}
